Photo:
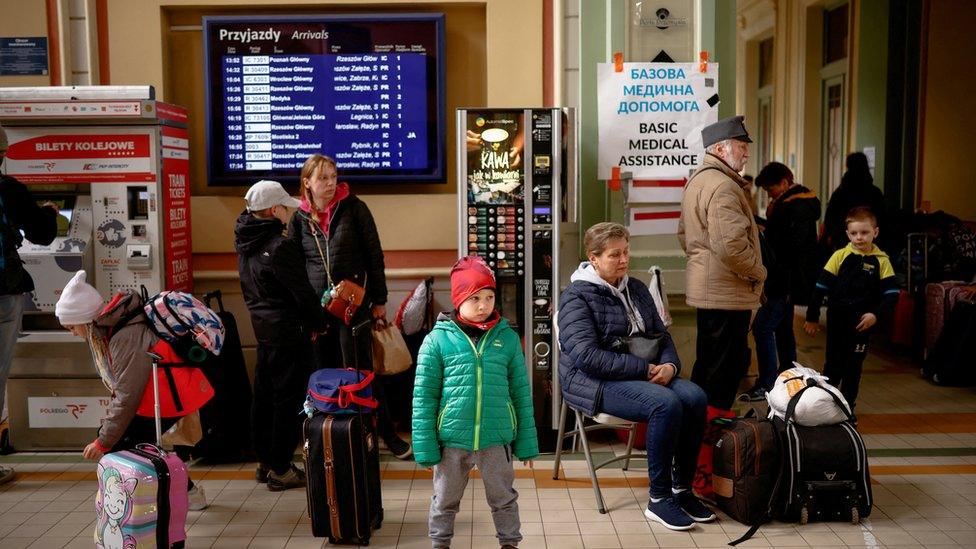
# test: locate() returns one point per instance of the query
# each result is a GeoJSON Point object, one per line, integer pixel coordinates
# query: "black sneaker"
{"type": "Point", "coordinates": [400, 448]}
{"type": "Point", "coordinates": [694, 507]}
{"type": "Point", "coordinates": [669, 513]}
{"type": "Point", "coordinates": [261, 474]}
{"type": "Point", "coordinates": [293, 478]}
{"type": "Point", "coordinates": [756, 394]}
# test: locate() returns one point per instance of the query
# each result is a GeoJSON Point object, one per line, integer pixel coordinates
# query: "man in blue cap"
{"type": "Point", "coordinates": [724, 275]}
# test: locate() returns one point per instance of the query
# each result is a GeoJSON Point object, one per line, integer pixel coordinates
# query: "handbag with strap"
{"type": "Point", "coordinates": [644, 346]}
{"type": "Point", "coordinates": [341, 300]}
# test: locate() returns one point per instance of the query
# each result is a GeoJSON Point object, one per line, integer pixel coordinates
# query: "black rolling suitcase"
{"type": "Point", "coordinates": [342, 468]}
{"type": "Point", "coordinates": [226, 419]}
{"type": "Point", "coordinates": [825, 471]}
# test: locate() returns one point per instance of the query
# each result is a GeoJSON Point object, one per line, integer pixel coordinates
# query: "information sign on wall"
{"type": "Point", "coordinates": [651, 116]}
{"type": "Point", "coordinates": [21, 56]}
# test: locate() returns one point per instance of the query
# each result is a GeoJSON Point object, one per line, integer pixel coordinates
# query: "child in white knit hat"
{"type": "Point", "coordinates": [115, 331]}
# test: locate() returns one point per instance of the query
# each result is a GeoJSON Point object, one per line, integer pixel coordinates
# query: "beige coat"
{"type": "Point", "coordinates": [719, 235]}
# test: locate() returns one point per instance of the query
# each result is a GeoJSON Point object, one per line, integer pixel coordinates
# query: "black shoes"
{"type": "Point", "coordinates": [400, 448]}
{"type": "Point", "coordinates": [293, 478]}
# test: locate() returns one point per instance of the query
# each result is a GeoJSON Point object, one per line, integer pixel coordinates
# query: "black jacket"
{"type": "Point", "coordinates": [855, 283]}
{"type": "Point", "coordinates": [353, 247]}
{"type": "Point", "coordinates": [283, 306]}
{"type": "Point", "coordinates": [854, 190]}
{"type": "Point", "coordinates": [791, 232]}
{"type": "Point", "coordinates": [19, 211]}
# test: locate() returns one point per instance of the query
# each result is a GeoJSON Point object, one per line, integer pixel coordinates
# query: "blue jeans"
{"type": "Point", "coordinates": [675, 417]}
{"type": "Point", "coordinates": [775, 343]}
{"type": "Point", "coordinates": [11, 309]}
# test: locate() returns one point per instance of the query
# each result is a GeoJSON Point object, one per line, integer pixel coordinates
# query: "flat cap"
{"type": "Point", "coordinates": [732, 127]}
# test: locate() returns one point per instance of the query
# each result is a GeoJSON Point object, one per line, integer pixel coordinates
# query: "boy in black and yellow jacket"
{"type": "Point", "coordinates": [859, 282]}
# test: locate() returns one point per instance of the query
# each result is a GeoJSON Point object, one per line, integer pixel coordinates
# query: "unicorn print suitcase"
{"type": "Point", "coordinates": [142, 496]}
{"type": "Point", "coordinates": [142, 500]}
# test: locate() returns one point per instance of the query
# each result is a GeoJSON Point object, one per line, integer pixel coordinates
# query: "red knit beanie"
{"type": "Point", "coordinates": [468, 276]}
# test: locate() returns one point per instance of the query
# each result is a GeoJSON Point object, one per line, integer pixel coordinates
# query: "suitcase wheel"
{"type": "Point", "coordinates": [855, 516]}
{"type": "Point", "coordinates": [804, 515]}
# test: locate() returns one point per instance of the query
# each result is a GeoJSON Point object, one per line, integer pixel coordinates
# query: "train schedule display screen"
{"type": "Point", "coordinates": [365, 90]}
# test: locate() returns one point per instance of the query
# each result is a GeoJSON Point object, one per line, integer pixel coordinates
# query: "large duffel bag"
{"type": "Point", "coordinates": [825, 471]}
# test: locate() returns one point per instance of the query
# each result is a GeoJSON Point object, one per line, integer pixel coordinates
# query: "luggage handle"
{"type": "Point", "coordinates": [155, 357]}
{"type": "Point", "coordinates": [925, 258]}
{"type": "Point", "coordinates": [356, 330]}
{"type": "Point", "coordinates": [216, 294]}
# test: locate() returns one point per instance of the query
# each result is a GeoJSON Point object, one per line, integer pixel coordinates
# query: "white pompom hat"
{"type": "Point", "coordinates": [79, 302]}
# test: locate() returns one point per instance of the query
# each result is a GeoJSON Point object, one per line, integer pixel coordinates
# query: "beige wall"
{"type": "Point", "coordinates": [22, 18]}
{"type": "Point", "coordinates": [948, 176]}
{"type": "Point", "coordinates": [498, 64]}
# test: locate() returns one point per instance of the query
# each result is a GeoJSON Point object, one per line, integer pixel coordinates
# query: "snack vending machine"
{"type": "Point", "coordinates": [116, 163]}
{"type": "Point", "coordinates": [516, 177]}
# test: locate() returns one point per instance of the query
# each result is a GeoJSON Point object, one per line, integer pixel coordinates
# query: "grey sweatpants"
{"type": "Point", "coordinates": [450, 480]}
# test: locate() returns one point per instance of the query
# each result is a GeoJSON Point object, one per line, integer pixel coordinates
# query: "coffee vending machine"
{"type": "Point", "coordinates": [516, 179]}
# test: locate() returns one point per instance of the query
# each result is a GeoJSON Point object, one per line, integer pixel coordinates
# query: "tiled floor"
{"type": "Point", "coordinates": [921, 439]}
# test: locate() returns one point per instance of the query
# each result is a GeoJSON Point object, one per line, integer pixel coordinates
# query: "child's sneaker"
{"type": "Point", "coordinates": [197, 498]}
{"type": "Point", "coordinates": [694, 507]}
{"type": "Point", "coordinates": [669, 513]}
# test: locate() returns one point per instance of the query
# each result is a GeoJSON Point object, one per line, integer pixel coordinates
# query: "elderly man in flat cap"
{"type": "Point", "coordinates": [724, 275]}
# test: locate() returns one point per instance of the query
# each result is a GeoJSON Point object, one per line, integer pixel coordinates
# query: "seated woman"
{"type": "Point", "coordinates": [600, 310]}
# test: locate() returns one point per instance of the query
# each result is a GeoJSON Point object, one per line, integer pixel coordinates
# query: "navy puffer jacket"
{"type": "Point", "coordinates": [591, 318]}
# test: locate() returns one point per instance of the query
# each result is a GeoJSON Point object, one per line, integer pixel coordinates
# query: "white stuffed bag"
{"type": "Point", "coordinates": [816, 405]}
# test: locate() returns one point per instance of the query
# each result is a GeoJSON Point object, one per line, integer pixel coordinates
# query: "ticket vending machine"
{"type": "Point", "coordinates": [116, 163]}
{"type": "Point", "coordinates": [516, 177]}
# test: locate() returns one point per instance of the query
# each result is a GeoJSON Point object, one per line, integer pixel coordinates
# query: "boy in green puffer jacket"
{"type": "Point", "coordinates": [472, 405]}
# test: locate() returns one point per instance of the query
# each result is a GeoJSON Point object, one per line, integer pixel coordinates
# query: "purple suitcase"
{"type": "Point", "coordinates": [939, 299]}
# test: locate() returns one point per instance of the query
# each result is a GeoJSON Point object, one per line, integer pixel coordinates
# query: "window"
{"type": "Point", "coordinates": [766, 62]}
{"type": "Point", "coordinates": [835, 34]}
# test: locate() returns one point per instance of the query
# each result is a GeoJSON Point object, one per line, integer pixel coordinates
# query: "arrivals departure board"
{"type": "Point", "coordinates": [365, 90]}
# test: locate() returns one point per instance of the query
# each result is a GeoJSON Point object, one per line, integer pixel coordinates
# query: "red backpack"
{"type": "Point", "coordinates": [183, 387]}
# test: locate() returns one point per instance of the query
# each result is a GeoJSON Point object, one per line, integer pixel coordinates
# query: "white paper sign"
{"type": "Point", "coordinates": [653, 219]}
{"type": "Point", "coordinates": [66, 412]}
{"type": "Point", "coordinates": [651, 116]}
{"type": "Point", "coordinates": [655, 190]}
